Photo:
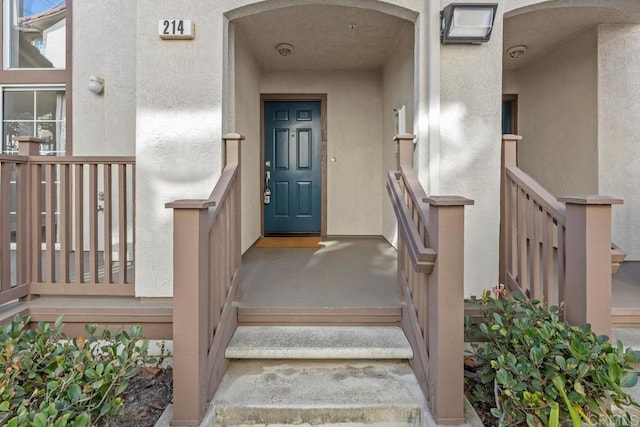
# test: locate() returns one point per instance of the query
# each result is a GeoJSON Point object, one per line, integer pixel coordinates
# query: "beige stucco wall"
{"type": "Point", "coordinates": [178, 128]}
{"type": "Point", "coordinates": [558, 117]}
{"type": "Point", "coordinates": [398, 90]}
{"type": "Point", "coordinates": [618, 129]}
{"type": "Point", "coordinates": [470, 129]}
{"type": "Point", "coordinates": [355, 181]}
{"type": "Point", "coordinates": [247, 122]}
{"type": "Point", "coordinates": [104, 124]}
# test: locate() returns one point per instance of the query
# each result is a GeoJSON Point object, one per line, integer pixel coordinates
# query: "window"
{"type": "Point", "coordinates": [34, 34]}
{"type": "Point", "coordinates": [36, 72]}
{"type": "Point", "coordinates": [34, 112]}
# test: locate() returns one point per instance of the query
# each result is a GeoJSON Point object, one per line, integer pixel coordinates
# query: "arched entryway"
{"type": "Point", "coordinates": [359, 62]}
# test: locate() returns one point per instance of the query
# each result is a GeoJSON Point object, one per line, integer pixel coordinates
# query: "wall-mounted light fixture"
{"type": "Point", "coordinates": [469, 23]}
{"type": "Point", "coordinates": [96, 84]}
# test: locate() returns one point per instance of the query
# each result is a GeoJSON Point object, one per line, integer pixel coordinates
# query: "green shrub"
{"type": "Point", "coordinates": [48, 380]}
{"type": "Point", "coordinates": [533, 369]}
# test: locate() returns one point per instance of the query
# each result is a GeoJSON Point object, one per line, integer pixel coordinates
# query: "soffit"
{"type": "Point", "coordinates": [322, 37]}
{"type": "Point", "coordinates": [542, 30]}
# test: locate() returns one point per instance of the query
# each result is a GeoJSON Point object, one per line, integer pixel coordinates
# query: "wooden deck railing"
{"type": "Point", "coordinates": [431, 276]}
{"type": "Point", "coordinates": [556, 250]}
{"type": "Point", "coordinates": [66, 224]}
{"type": "Point", "coordinates": [206, 282]}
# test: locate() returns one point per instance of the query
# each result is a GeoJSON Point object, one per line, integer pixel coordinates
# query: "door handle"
{"type": "Point", "coordinates": [267, 190]}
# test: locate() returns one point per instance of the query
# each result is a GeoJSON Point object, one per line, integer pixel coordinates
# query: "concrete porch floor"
{"type": "Point", "coordinates": [344, 272]}
{"type": "Point", "coordinates": [626, 285]}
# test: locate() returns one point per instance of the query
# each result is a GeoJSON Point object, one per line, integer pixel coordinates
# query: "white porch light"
{"type": "Point", "coordinates": [96, 84]}
{"type": "Point", "coordinates": [469, 23]}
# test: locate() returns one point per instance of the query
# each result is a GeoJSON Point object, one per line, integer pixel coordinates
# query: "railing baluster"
{"type": "Point", "coordinates": [50, 231]}
{"type": "Point", "coordinates": [5, 232]}
{"type": "Point", "coordinates": [122, 223]}
{"type": "Point", "coordinates": [36, 223]}
{"type": "Point", "coordinates": [535, 250]}
{"type": "Point", "coordinates": [93, 223]}
{"type": "Point", "coordinates": [79, 222]}
{"type": "Point", "coordinates": [548, 266]}
{"type": "Point", "coordinates": [64, 222]}
{"type": "Point", "coordinates": [108, 226]}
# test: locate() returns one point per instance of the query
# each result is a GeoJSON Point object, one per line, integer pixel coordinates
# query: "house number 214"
{"type": "Point", "coordinates": [175, 29]}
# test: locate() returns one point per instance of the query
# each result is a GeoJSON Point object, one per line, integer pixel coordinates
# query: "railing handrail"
{"type": "Point", "coordinates": [88, 160]}
{"type": "Point", "coordinates": [416, 191]}
{"type": "Point", "coordinates": [538, 193]}
{"type": "Point", "coordinates": [13, 158]}
{"type": "Point", "coordinates": [422, 257]}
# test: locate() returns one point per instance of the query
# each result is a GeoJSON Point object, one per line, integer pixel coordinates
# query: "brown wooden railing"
{"type": "Point", "coordinates": [206, 282]}
{"type": "Point", "coordinates": [66, 224]}
{"type": "Point", "coordinates": [431, 280]}
{"type": "Point", "coordinates": [556, 250]}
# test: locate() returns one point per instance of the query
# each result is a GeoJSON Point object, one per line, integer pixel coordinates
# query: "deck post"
{"type": "Point", "coordinates": [28, 145]}
{"type": "Point", "coordinates": [588, 261]}
{"type": "Point", "coordinates": [509, 158]}
{"type": "Point", "coordinates": [27, 232]}
{"type": "Point", "coordinates": [405, 149]}
{"type": "Point", "coordinates": [446, 308]}
{"type": "Point", "coordinates": [190, 299]}
{"type": "Point", "coordinates": [233, 152]}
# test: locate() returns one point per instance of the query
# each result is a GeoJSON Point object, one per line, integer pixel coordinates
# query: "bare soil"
{"type": "Point", "coordinates": [146, 398]}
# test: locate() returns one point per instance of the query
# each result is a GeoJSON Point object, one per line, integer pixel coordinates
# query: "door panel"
{"type": "Point", "coordinates": [292, 135]}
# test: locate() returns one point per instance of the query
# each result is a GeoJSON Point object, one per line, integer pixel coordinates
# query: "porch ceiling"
{"type": "Point", "coordinates": [542, 30]}
{"type": "Point", "coordinates": [324, 37]}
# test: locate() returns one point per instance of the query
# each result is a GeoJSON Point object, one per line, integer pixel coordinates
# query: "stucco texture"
{"type": "Point", "coordinates": [558, 117]}
{"type": "Point", "coordinates": [618, 129]}
{"type": "Point", "coordinates": [470, 135]}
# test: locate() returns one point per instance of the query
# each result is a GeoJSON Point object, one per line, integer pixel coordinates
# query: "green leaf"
{"type": "Point", "coordinates": [58, 324]}
{"type": "Point", "coordinates": [82, 420]}
{"type": "Point", "coordinates": [629, 379]}
{"type": "Point", "coordinates": [122, 387]}
{"type": "Point", "coordinates": [40, 420]}
{"type": "Point", "coordinates": [4, 406]}
{"type": "Point", "coordinates": [52, 385]}
{"type": "Point", "coordinates": [74, 392]}
{"type": "Point", "coordinates": [554, 416]}
{"type": "Point", "coordinates": [577, 386]}
{"type": "Point", "coordinates": [502, 376]}
{"type": "Point", "coordinates": [575, 418]}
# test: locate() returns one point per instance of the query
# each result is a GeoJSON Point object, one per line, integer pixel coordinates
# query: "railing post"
{"type": "Point", "coordinates": [588, 261]}
{"type": "Point", "coordinates": [190, 299]}
{"type": "Point", "coordinates": [509, 158]}
{"type": "Point", "coordinates": [233, 155]}
{"type": "Point", "coordinates": [29, 146]}
{"type": "Point", "coordinates": [405, 149]}
{"type": "Point", "coordinates": [446, 308]}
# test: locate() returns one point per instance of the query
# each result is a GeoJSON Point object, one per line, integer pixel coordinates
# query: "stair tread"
{"type": "Point", "coordinates": [283, 391]}
{"type": "Point", "coordinates": [319, 342]}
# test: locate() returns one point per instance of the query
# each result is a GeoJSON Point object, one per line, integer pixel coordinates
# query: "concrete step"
{"type": "Point", "coordinates": [319, 342]}
{"type": "Point", "coordinates": [329, 393]}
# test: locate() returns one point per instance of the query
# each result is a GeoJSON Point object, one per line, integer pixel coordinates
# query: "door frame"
{"type": "Point", "coordinates": [322, 97]}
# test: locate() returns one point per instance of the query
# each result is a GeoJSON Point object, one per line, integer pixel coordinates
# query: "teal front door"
{"type": "Point", "coordinates": [292, 162]}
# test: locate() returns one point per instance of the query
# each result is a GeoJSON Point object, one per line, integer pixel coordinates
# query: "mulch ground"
{"type": "Point", "coordinates": [146, 398]}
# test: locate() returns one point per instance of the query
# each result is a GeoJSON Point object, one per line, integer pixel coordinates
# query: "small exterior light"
{"type": "Point", "coordinates": [469, 23]}
{"type": "Point", "coordinates": [96, 84]}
